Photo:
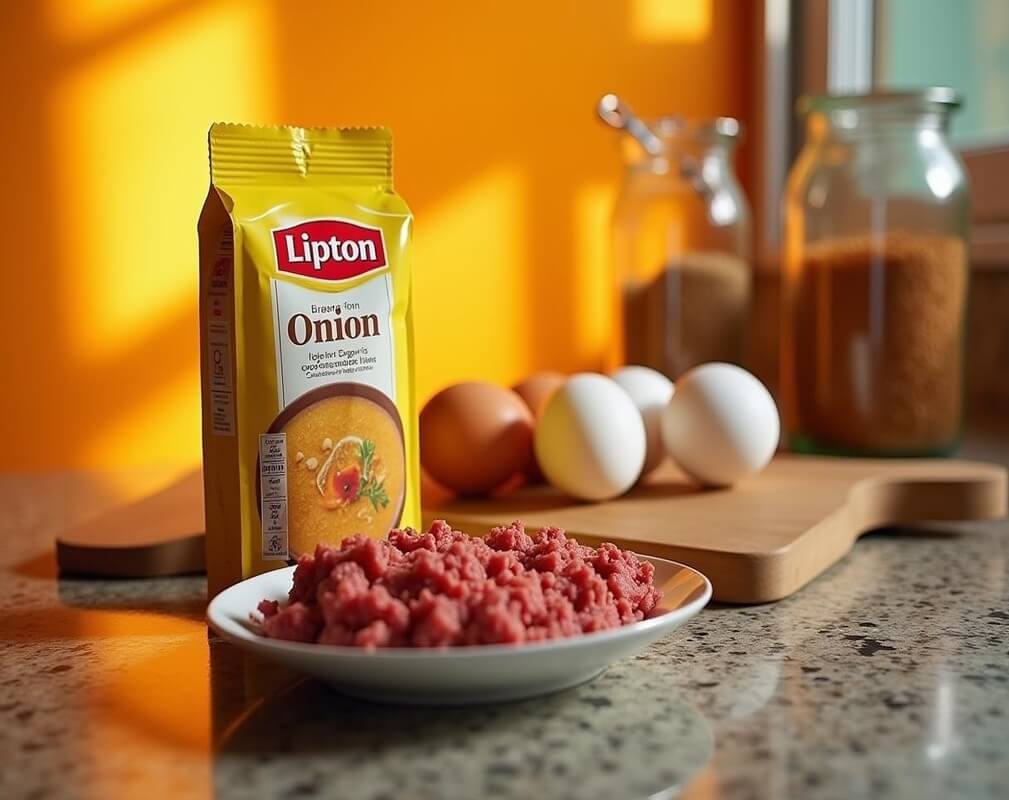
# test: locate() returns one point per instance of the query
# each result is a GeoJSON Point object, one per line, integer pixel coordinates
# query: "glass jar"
{"type": "Point", "coordinates": [681, 248]}
{"type": "Point", "coordinates": [875, 277]}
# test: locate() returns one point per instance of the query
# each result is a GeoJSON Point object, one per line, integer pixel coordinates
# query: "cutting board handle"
{"type": "Point", "coordinates": [971, 491]}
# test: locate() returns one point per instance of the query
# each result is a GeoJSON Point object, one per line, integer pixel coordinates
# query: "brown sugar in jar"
{"type": "Point", "coordinates": [694, 311]}
{"type": "Point", "coordinates": [874, 287]}
{"type": "Point", "coordinates": [681, 250]}
{"type": "Point", "coordinates": [872, 356]}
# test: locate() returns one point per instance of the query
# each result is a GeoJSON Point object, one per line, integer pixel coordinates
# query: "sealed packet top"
{"type": "Point", "coordinates": [309, 407]}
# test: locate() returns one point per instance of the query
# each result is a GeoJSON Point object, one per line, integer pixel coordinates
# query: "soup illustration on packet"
{"type": "Point", "coordinates": [309, 410]}
{"type": "Point", "coordinates": [346, 465]}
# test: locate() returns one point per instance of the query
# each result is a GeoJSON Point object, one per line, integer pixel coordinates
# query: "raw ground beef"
{"type": "Point", "coordinates": [444, 588]}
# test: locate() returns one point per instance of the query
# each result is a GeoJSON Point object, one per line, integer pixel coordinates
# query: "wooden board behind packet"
{"type": "Point", "coordinates": [309, 407]}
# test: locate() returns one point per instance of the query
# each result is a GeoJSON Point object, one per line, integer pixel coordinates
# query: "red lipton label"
{"type": "Point", "coordinates": [329, 249]}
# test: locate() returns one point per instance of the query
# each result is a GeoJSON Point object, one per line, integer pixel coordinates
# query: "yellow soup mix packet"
{"type": "Point", "coordinates": [309, 408]}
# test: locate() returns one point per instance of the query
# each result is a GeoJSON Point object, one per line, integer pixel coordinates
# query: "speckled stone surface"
{"type": "Point", "coordinates": [886, 677]}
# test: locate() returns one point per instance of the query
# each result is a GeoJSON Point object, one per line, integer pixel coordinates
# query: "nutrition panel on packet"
{"type": "Point", "coordinates": [273, 485]}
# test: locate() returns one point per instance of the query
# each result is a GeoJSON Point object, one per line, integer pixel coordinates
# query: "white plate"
{"type": "Point", "coordinates": [456, 675]}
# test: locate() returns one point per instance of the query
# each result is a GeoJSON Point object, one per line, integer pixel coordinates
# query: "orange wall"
{"type": "Point", "coordinates": [497, 151]}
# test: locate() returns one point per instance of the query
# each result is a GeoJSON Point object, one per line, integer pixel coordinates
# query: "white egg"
{"type": "Point", "coordinates": [721, 424]}
{"type": "Point", "coordinates": [650, 390]}
{"type": "Point", "coordinates": [590, 439]}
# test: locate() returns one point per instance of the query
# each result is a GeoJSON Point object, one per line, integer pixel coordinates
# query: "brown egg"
{"type": "Point", "coordinates": [537, 388]}
{"type": "Point", "coordinates": [535, 391]}
{"type": "Point", "coordinates": [474, 436]}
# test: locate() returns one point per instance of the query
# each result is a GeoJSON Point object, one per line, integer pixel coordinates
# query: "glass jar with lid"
{"type": "Point", "coordinates": [874, 285]}
{"type": "Point", "coordinates": [681, 247]}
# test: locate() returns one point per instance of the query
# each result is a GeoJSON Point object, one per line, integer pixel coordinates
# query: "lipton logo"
{"type": "Point", "coordinates": [329, 249]}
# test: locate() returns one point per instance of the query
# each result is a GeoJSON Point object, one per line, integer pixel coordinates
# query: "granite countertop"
{"type": "Point", "coordinates": [886, 677]}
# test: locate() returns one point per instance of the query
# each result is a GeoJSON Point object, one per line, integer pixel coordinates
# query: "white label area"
{"type": "Point", "coordinates": [273, 489]}
{"type": "Point", "coordinates": [331, 337]}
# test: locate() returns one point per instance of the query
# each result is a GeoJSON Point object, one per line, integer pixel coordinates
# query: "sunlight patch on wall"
{"type": "Point", "coordinates": [670, 20]}
{"type": "Point", "coordinates": [131, 157]}
{"type": "Point", "coordinates": [594, 291]}
{"type": "Point", "coordinates": [473, 238]}
{"type": "Point", "coordinates": [74, 22]}
{"type": "Point", "coordinates": [139, 180]}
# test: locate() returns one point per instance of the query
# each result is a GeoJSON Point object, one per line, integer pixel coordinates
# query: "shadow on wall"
{"type": "Point", "coordinates": [496, 151]}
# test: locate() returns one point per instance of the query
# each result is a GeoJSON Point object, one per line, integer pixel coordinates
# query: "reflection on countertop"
{"type": "Point", "coordinates": [886, 677]}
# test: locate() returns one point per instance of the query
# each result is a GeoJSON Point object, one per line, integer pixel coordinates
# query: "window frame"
{"type": "Point", "coordinates": [831, 46]}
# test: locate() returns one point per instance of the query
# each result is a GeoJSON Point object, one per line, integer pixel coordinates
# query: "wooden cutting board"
{"type": "Point", "coordinates": [767, 537]}
{"type": "Point", "coordinates": [158, 534]}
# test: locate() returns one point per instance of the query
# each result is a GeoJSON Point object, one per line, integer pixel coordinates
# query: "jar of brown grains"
{"type": "Point", "coordinates": [875, 277]}
{"type": "Point", "coordinates": [681, 242]}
